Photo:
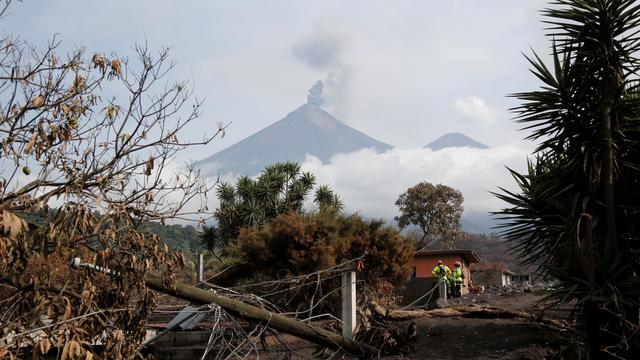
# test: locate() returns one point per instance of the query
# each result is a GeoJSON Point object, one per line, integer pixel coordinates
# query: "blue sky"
{"type": "Point", "coordinates": [404, 72]}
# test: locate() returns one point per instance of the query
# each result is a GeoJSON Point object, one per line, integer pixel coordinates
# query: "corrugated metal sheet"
{"type": "Point", "coordinates": [187, 318]}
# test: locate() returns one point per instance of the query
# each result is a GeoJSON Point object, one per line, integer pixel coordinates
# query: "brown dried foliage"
{"type": "Point", "coordinates": [294, 244]}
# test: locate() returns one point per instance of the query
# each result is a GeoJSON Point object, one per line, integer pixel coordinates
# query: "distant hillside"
{"type": "Point", "coordinates": [177, 237]}
{"type": "Point", "coordinates": [493, 249]}
{"type": "Point", "coordinates": [307, 130]}
{"type": "Point", "coordinates": [454, 139]}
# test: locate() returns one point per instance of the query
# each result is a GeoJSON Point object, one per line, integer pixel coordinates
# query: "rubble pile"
{"type": "Point", "coordinates": [515, 288]}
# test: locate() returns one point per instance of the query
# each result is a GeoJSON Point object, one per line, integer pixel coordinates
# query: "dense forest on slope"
{"type": "Point", "coordinates": [177, 237]}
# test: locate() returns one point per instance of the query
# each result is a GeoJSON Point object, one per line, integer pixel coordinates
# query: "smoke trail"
{"type": "Point", "coordinates": [315, 94]}
{"type": "Point", "coordinates": [324, 50]}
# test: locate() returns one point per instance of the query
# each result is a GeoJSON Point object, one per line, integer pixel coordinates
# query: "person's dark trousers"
{"type": "Point", "coordinates": [456, 291]}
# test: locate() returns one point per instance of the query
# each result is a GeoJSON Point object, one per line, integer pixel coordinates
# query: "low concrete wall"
{"type": "Point", "coordinates": [416, 288]}
{"type": "Point", "coordinates": [182, 345]}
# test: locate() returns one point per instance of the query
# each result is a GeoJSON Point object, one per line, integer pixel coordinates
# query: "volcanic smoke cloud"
{"type": "Point", "coordinates": [315, 94]}
{"type": "Point", "coordinates": [324, 51]}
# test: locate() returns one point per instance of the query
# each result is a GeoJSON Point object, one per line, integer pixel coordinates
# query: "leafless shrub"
{"type": "Point", "coordinates": [86, 145]}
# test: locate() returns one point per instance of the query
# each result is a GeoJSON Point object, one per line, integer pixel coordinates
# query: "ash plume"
{"type": "Point", "coordinates": [315, 94]}
{"type": "Point", "coordinates": [324, 51]}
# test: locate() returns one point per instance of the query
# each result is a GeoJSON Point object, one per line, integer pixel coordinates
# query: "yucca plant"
{"type": "Point", "coordinates": [577, 212]}
{"type": "Point", "coordinates": [281, 188]}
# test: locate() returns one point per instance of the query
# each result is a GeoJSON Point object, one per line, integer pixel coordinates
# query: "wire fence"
{"type": "Point", "coordinates": [231, 338]}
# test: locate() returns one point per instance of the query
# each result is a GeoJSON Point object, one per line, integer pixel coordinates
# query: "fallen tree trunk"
{"type": "Point", "coordinates": [279, 322]}
{"type": "Point", "coordinates": [252, 313]}
{"type": "Point", "coordinates": [475, 311]}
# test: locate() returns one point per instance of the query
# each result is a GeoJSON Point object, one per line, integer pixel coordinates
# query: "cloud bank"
{"type": "Point", "coordinates": [370, 183]}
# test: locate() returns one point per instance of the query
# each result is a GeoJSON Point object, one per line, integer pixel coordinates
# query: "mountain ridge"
{"type": "Point", "coordinates": [308, 130]}
{"type": "Point", "coordinates": [454, 139]}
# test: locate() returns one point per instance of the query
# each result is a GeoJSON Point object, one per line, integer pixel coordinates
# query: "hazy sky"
{"type": "Point", "coordinates": [404, 72]}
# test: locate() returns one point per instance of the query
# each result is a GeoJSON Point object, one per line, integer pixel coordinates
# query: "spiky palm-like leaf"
{"type": "Point", "coordinates": [327, 200]}
{"type": "Point", "coordinates": [585, 117]}
{"type": "Point", "coordinates": [210, 238]}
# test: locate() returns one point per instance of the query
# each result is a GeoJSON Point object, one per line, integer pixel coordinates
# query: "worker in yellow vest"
{"type": "Point", "coordinates": [457, 278]}
{"type": "Point", "coordinates": [441, 271]}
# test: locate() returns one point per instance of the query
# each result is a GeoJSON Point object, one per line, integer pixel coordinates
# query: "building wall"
{"type": "Point", "coordinates": [424, 265]}
{"type": "Point", "coordinates": [506, 279]}
{"type": "Point", "coordinates": [488, 277]}
{"type": "Point", "coordinates": [521, 279]}
{"type": "Point", "coordinates": [416, 289]}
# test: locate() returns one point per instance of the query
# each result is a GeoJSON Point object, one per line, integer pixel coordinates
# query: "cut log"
{"type": "Point", "coordinates": [470, 311]}
{"type": "Point", "coordinates": [396, 315]}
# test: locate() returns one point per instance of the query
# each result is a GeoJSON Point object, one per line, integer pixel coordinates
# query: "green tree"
{"type": "Point", "coordinates": [210, 238]}
{"type": "Point", "coordinates": [281, 188]}
{"type": "Point", "coordinates": [435, 210]}
{"type": "Point", "coordinates": [577, 211]}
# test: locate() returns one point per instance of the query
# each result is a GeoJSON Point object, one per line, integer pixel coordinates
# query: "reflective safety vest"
{"type": "Point", "coordinates": [457, 275]}
{"type": "Point", "coordinates": [441, 271]}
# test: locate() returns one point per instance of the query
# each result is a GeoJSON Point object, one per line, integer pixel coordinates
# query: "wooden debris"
{"type": "Point", "coordinates": [392, 338]}
{"type": "Point", "coordinates": [470, 311]}
{"type": "Point", "coordinates": [279, 322]}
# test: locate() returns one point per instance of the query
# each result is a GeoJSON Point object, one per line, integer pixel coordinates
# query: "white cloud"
{"type": "Point", "coordinates": [475, 108]}
{"type": "Point", "coordinates": [370, 183]}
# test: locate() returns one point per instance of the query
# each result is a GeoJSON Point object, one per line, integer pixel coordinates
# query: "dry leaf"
{"type": "Point", "coordinates": [112, 111]}
{"type": "Point", "coordinates": [75, 349]}
{"type": "Point", "coordinates": [64, 109]}
{"type": "Point", "coordinates": [98, 61]}
{"type": "Point", "coordinates": [11, 224]}
{"type": "Point", "coordinates": [37, 101]}
{"type": "Point", "coordinates": [116, 68]}
{"type": "Point", "coordinates": [65, 352]}
{"type": "Point", "coordinates": [67, 311]}
{"type": "Point", "coordinates": [149, 167]}
{"type": "Point", "coordinates": [29, 145]}
{"type": "Point", "coordinates": [44, 346]}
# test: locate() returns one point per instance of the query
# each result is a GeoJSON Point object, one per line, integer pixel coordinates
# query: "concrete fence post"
{"type": "Point", "coordinates": [200, 267]}
{"type": "Point", "coordinates": [348, 304]}
{"type": "Point", "coordinates": [442, 290]}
